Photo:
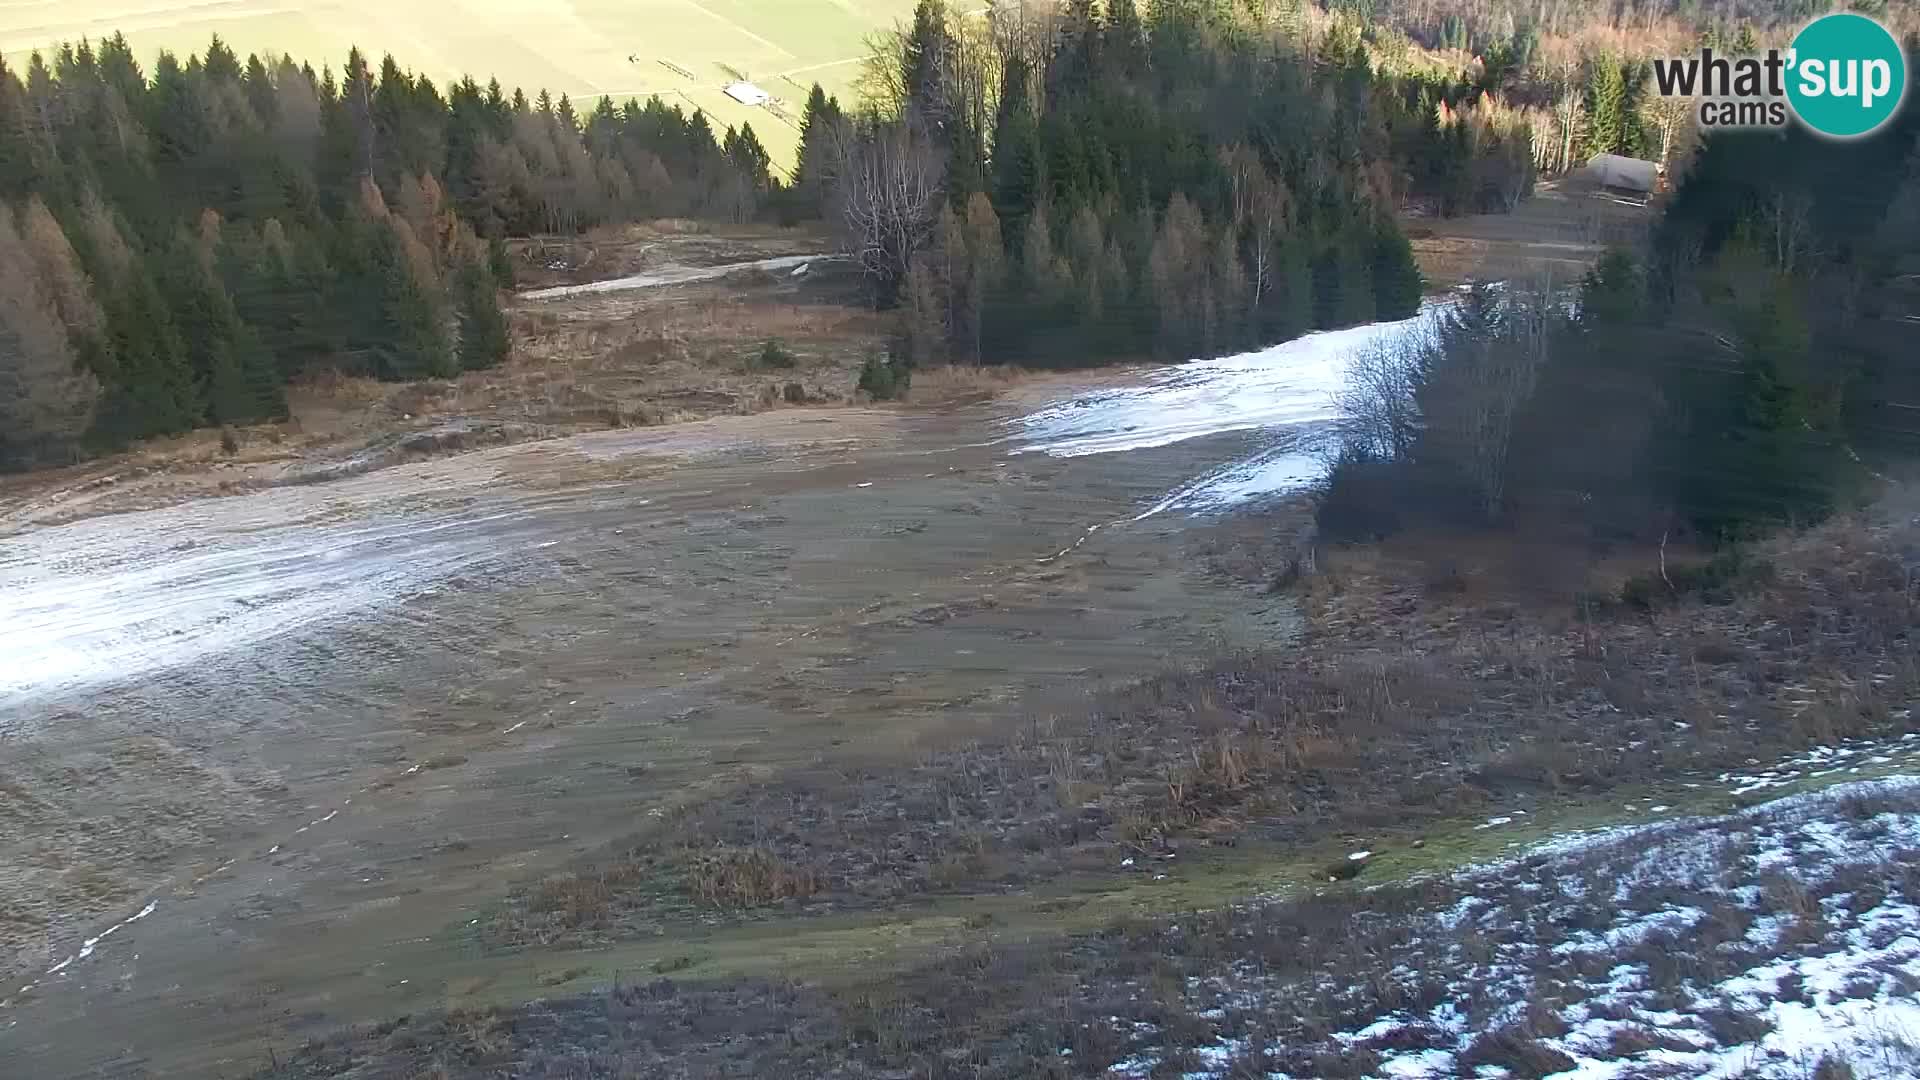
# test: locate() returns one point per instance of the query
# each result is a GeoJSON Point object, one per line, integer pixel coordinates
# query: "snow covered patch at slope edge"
{"type": "Point", "coordinates": [1758, 944]}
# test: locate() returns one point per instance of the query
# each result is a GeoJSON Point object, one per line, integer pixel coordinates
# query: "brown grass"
{"type": "Point", "coordinates": [1559, 232]}
{"type": "Point", "coordinates": [1277, 980]}
{"type": "Point", "coordinates": [1406, 708]}
{"type": "Point", "coordinates": [947, 383]}
{"type": "Point", "coordinates": [747, 878]}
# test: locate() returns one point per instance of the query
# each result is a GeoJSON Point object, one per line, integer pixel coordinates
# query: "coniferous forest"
{"type": "Point", "coordinates": [1102, 184]}
{"type": "Point", "coordinates": [176, 244]}
{"type": "Point", "coordinates": [1063, 183]}
{"type": "Point", "coordinates": [1059, 187]}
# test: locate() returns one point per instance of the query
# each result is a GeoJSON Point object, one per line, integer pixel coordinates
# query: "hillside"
{"type": "Point", "coordinates": [582, 48]}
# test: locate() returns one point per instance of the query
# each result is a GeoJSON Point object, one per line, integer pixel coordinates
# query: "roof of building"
{"type": "Point", "coordinates": [1616, 171]}
{"type": "Point", "coordinates": [747, 94]}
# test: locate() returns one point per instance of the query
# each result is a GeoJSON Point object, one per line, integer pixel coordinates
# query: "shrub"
{"type": "Point", "coordinates": [1716, 581]}
{"type": "Point", "coordinates": [774, 355]}
{"type": "Point", "coordinates": [731, 877]}
{"type": "Point", "coordinates": [1518, 1050]}
{"type": "Point", "coordinates": [1360, 497]}
{"type": "Point", "coordinates": [884, 377]}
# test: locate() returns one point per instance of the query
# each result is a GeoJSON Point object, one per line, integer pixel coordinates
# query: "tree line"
{"type": "Point", "coordinates": [1060, 184]}
{"type": "Point", "coordinates": [1752, 367]}
{"type": "Point", "coordinates": [1055, 183]}
{"type": "Point", "coordinates": [175, 245]}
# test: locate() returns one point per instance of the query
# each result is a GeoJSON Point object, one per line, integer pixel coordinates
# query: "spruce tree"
{"type": "Point", "coordinates": [1608, 107]}
{"type": "Point", "coordinates": [150, 387]}
{"type": "Point", "coordinates": [1016, 153]}
{"type": "Point", "coordinates": [926, 55]}
{"type": "Point", "coordinates": [1396, 278]}
{"type": "Point", "coordinates": [483, 326]}
{"type": "Point", "coordinates": [412, 340]}
{"type": "Point", "coordinates": [1342, 282]}
{"type": "Point", "coordinates": [499, 263]}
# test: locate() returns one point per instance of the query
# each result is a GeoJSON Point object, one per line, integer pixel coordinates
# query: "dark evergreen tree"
{"type": "Point", "coordinates": [150, 381]}
{"type": "Point", "coordinates": [411, 341]}
{"type": "Point", "coordinates": [926, 56]}
{"type": "Point", "coordinates": [1016, 153]}
{"type": "Point", "coordinates": [484, 340]}
{"type": "Point", "coordinates": [1342, 283]}
{"type": "Point", "coordinates": [1396, 278]}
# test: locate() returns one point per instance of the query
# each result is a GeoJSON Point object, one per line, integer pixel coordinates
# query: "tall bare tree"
{"type": "Point", "coordinates": [889, 192]}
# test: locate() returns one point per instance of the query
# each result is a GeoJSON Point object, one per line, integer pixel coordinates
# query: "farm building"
{"type": "Point", "coordinates": [1624, 173]}
{"type": "Point", "coordinates": [747, 94]}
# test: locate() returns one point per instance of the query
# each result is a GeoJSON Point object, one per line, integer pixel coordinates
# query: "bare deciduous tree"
{"type": "Point", "coordinates": [888, 193]}
{"type": "Point", "coordinates": [1489, 356]}
{"type": "Point", "coordinates": [1268, 220]}
{"type": "Point", "coordinates": [1443, 399]}
{"type": "Point", "coordinates": [1789, 216]}
{"type": "Point", "coordinates": [1378, 402]}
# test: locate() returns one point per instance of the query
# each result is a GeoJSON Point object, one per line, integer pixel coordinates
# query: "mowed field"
{"type": "Point", "coordinates": [584, 48]}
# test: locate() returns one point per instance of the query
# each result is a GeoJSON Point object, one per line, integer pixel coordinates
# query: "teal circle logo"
{"type": "Point", "coordinates": [1846, 75]}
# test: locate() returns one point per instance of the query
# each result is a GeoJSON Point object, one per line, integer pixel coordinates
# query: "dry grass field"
{"type": "Point", "coordinates": [683, 50]}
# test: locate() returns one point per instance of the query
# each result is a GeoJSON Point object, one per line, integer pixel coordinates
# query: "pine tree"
{"type": "Point", "coordinates": [1077, 55]}
{"type": "Point", "coordinates": [1396, 278]}
{"type": "Point", "coordinates": [1040, 270]}
{"type": "Point", "coordinates": [926, 54]}
{"type": "Point", "coordinates": [1124, 49]}
{"type": "Point", "coordinates": [1342, 285]}
{"type": "Point", "coordinates": [1760, 456]}
{"type": "Point", "coordinates": [177, 115]}
{"type": "Point", "coordinates": [245, 383]}
{"type": "Point", "coordinates": [818, 122]}
{"type": "Point", "coordinates": [150, 390]}
{"type": "Point", "coordinates": [1291, 310]}
{"type": "Point", "coordinates": [499, 263]}
{"type": "Point", "coordinates": [262, 96]}
{"type": "Point", "coordinates": [1609, 108]}
{"type": "Point", "coordinates": [1016, 153]}
{"type": "Point", "coordinates": [483, 326]}
{"type": "Point", "coordinates": [412, 340]}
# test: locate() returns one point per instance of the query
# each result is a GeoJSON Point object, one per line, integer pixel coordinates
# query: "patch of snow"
{"type": "Point", "coordinates": [124, 596]}
{"type": "Point", "coordinates": [1850, 992]}
{"type": "Point", "coordinates": [671, 275]}
{"type": "Point", "coordinates": [1282, 386]}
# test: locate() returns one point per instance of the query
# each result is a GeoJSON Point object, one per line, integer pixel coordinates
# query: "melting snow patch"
{"type": "Point", "coordinates": [1763, 989]}
{"type": "Point", "coordinates": [1286, 385]}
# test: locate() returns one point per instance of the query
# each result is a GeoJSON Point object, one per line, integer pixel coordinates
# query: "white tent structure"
{"type": "Point", "coordinates": [1623, 173]}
